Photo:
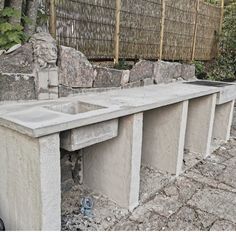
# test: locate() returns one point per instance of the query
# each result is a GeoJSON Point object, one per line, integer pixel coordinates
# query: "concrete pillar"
{"type": "Point", "coordinates": [223, 121]}
{"type": "Point", "coordinates": [113, 167]}
{"type": "Point", "coordinates": [30, 194]}
{"type": "Point", "coordinates": [163, 137]}
{"type": "Point", "coordinates": [200, 124]}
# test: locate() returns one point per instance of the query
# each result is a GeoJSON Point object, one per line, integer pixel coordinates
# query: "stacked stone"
{"type": "Point", "coordinates": [78, 75]}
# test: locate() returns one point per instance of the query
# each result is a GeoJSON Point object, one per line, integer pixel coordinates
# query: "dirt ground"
{"type": "Point", "coordinates": [202, 198]}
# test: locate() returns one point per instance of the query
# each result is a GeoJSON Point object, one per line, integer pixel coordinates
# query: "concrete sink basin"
{"type": "Point", "coordinates": [227, 91]}
{"type": "Point", "coordinates": [75, 139]}
{"type": "Point", "coordinates": [76, 107]}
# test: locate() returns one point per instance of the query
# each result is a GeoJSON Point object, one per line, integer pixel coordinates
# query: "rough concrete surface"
{"type": "Point", "coordinates": [202, 198]}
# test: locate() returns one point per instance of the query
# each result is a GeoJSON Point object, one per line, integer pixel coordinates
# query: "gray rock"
{"type": "Point", "coordinates": [165, 72]}
{"type": "Point", "coordinates": [15, 87]}
{"type": "Point", "coordinates": [107, 77]}
{"type": "Point", "coordinates": [142, 70]}
{"type": "Point", "coordinates": [188, 72]}
{"type": "Point", "coordinates": [74, 68]}
{"type": "Point", "coordinates": [19, 61]}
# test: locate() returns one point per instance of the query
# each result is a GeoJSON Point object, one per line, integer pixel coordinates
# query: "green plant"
{"type": "Point", "coordinates": [122, 65]}
{"type": "Point", "coordinates": [11, 34]}
{"type": "Point", "coordinates": [224, 66]}
{"type": "Point", "coordinates": [200, 69]}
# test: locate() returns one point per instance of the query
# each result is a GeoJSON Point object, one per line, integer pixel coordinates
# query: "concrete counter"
{"type": "Point", "coordinates": [37, 119]}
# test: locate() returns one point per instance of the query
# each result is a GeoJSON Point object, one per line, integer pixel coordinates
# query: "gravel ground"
{"type": "Point", "coordinates": [202, 198]}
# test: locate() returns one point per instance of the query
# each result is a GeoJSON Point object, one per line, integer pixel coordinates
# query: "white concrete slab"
{"type": "Point", "coordinates": [36, 120]}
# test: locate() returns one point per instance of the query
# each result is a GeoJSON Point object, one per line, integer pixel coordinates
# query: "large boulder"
{"type": "Point", "coordinates": [15, 87]}
{"type": "Point", "coordinates": [18, 61]}
{"type": "Point", "coordinates": [166, 72]}
{"type": "Point", "coordinates": [142, 70]}
{"type": "Point", "coordinates": [188, 72]}
{"type": "Point", "coordinates": [108, 77]}
{"type": "Point", "coordinates": [74, 68]}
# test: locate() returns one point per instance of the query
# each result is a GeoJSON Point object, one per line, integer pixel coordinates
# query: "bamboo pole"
{"type": "Point", "coordinates": [117, 32]}
{"type": "Point", "coordinates": [2, 4]}
{"type": "Point", "coordinates": [52, 18]}
{"type": "Point", "coordinates": [195, 31]}
{"type": "Point", "coordinates": [163, 9]}
{"type": "Point", "coordinates": [222, 16]}
{"type": "Point", "coordinates": [221, 26]}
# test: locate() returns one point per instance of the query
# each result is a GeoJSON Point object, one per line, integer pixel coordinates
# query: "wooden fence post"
{"type": "Point", "coordinates": [117, 32]}
{"type": "Point", "coordinates": [221, 26]}
{"type": "Point", "coordinates": [163, 11]}
{"type": "Point", "coordinates": [222, 16]}
{"type": "Point", "coordinates": [1, 4]}
{"type": "Point", "coordinates": [195, 31]}
{"type": "Point", "coordinates": [52, 18]}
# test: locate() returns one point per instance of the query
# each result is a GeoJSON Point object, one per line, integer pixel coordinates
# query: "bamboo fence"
{"type": "Point", "coordinates": [134, 29]}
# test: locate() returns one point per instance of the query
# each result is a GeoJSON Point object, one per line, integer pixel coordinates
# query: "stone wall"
{"type": "Point", "coordinates": [29, 72]}
{"type": "Point", "coordinates": [78, 75]}
{"type": "Point", "coordinates": [40, 70]}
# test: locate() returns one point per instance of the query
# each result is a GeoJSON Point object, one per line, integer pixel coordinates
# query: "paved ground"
{"type": "Point", "coordinates": [202, 198]}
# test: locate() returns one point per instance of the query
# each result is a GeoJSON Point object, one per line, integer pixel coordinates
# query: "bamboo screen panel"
{"type": "Point", "coordinates": [179, 29]}
{"type": "Point", "coordinates": [89, 26]}
{"type": "Point", "coordinates": [208, 31]}
{"type": "Point", "coordinates": [140, 29]}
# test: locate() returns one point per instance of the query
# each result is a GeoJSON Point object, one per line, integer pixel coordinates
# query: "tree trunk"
{"type": "Point", "coordinates": [1, 4]}
{"type": "Point", "coordinates": [17, 5]}
{"type": "Point", "coordinates": [31, 13]}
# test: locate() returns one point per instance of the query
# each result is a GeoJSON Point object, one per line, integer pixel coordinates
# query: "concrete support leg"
{"type": "Point", "coordinates": [30, 181]}
{"type": "Point", "coordinates": [223, 121]}
{"type": "Point", "coordinates": [200, 124]}
{"type": "Point", "coordinates": [163, 137]}
{"type": "Point", "coordinates": [113, 167]}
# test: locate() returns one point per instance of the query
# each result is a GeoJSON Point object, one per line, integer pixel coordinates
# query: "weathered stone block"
{"type": "Point", "coordinates": [74, 68]}
{"type": "Point", "coordinates": [142, 70]}
{"type": "Point", "coordinates": [15, 87]}
{"type": "Point", "coordinates": [188, 71]}
{"type": "Point", "coordinates": [165, 72]}
{"type": "Point", "coordinates": [107, 77]}
{"type": "Point", "coordinates": [19, 61]}
{"type": "Point", "coordinates": [125, 77]}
